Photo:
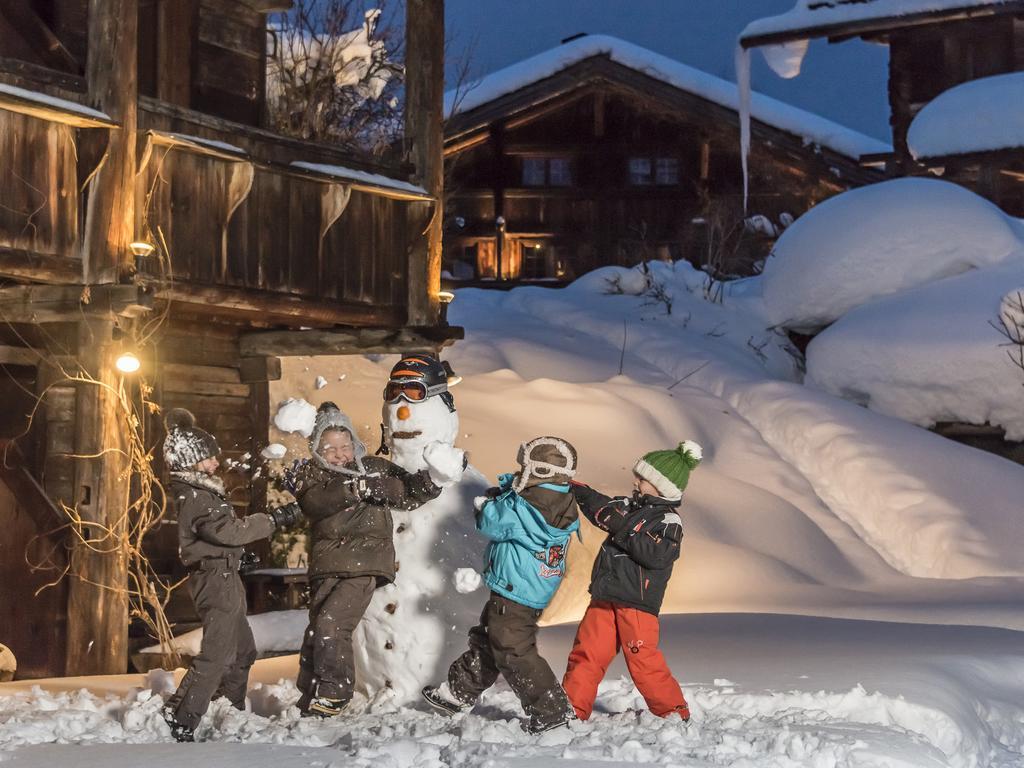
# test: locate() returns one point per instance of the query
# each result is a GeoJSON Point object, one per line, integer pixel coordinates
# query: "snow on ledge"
{"type": "Point", "coordinates": [199, 142]}
{"type": "Point", "coordinates": [814, 129]}
{"type": "Point", "coordinates": [364, 178]}
{"type": "Point", "coordinates": [810, 17]}
{"type": "Point", "coordinates": [977, 116]}
{"type": "Point", "coordinates": [55, 104]}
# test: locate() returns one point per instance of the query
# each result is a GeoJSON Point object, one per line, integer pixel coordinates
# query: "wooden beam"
{"type": "Point", "coordinates": [257, 369]}
{"type": "Point", "coordinates": [70, 303]}
{"type": "Point", "coordinates": [347, 342]}
{"type": "Point", "coordinates": [27, 490]}
{"type": "Point", "coordinates": [97, 638]}
{"type": "Point", "coordinates": [176, 29]}
{"type": "Point", "coordinates": [67, 112]}
{"type": "Point", "coordinates": [39, 267]}
{"type": "Point", "coordinates": [276, 307]}
{"type": "Point", "coordinates": [424, 116]}
{"type": "Point", "coordinates": [42, 39]}
{"type": "Point", "coordinates": [112, 76]}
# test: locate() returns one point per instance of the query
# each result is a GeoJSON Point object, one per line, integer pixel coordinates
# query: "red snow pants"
{"type": "Point", "coordinates": [607, 627]}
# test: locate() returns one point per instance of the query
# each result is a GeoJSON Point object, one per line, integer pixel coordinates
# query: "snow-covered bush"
{"type": "Point", "coordinates": [880, 240]}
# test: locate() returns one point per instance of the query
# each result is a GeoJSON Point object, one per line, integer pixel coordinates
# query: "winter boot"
{"type": "Point", "coordinates": [540, 725]}
{"type": "Point", "coordinates": [441, 697]}
{"type": "Point", "coordinates": [683, 710]}
{"type": "Point", "coordinates": [180, 732]}
{"type": "Point", "coordinates": [322, 706]}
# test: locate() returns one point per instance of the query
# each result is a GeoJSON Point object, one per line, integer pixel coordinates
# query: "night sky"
{"type": "Point", "coordinates": [845, 82]}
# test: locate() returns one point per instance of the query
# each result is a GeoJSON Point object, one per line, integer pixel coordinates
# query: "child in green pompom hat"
{"type": "Point", "coordinates": [628, 582]}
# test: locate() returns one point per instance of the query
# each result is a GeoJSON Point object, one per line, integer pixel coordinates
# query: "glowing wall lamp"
{"type": "Point", "coordinates": [127, 363]}
{"type": "Point", "coordinates": [446, 298]}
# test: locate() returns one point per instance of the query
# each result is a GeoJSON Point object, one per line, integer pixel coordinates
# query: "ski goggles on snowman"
{"type": "Point", "coordinates": [411, 391]}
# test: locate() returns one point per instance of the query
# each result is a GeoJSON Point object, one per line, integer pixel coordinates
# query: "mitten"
{"type": "Point", "coordinates": [286, 516]}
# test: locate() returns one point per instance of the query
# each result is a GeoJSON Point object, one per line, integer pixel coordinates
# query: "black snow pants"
{"type": "Point", "coordinates": [505, 643]}
{"type": "Point", "coordinates": [228, 649]}
{"type": "Point", "coordinates": [327, 664]}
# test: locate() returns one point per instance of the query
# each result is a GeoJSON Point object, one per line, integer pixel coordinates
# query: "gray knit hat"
{"type": "Point", "coordinates": [186, 444]}
{"type": "Point", "coordinates": [329, 416]}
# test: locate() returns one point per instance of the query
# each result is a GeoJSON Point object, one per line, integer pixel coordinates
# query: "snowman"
{"type": "Point", "coordinates": [417, 625]}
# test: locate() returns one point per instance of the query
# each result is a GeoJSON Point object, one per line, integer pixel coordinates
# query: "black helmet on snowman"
{"type": "Point", "coordinates": [418, 376]}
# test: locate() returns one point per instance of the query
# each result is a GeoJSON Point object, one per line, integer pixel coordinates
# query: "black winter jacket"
{"type": "Point", "coordinates": [635, 561]}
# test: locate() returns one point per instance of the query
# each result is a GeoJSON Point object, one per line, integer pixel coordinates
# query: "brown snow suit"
{"type": "Point", "coordinates": [210, 539]}
{"type": "Point", "coordinates": [353, 553]}
{"type": "Point", "coordinates": [505, 641]}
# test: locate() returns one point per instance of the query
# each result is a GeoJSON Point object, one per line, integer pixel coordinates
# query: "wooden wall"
{"type": "Point", "coordinates": [38, 185]}
{"type": "Point", "coordinates": [600, 218]}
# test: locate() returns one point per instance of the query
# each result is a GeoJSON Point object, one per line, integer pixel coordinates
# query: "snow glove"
{"type": "Point", "coordinates": [286, 516]}
{"type": "Point", "coordinates": [445, 463]}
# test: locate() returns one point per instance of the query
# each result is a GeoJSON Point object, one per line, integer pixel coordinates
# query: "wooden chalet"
{"type": "Point", "coordinates": [601, 152]}
{"type": "Point", "coordinates": [142, 121]}
{"type": "Point", "coordinates": [934, 46]}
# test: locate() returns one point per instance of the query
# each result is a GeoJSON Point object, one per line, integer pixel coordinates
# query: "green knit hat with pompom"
{"type": "Point", "coordinates": [669, 471]}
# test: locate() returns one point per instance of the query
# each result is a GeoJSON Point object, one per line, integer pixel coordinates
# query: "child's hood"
{"type": "Point", "coordinates": [540, 532]}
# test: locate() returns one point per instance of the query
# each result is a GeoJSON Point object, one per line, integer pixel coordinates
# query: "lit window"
{"type": "Point", "coordinates": [640, 170]}
{"type": "Point", "coordinates": [559, 172]}
{"type": "Point", "coordinates": [666, 171]}
{"type": "Point", "coordinates": [533, 171]}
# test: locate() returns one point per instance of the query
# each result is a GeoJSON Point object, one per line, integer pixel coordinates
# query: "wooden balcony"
{"type": "Point", "coordinates": [249, 224]}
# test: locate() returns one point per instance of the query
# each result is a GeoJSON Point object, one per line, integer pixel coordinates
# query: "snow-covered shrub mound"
{"type": "Point", "coordinates": [929, 354]}
{"type": "Point", "coordinates": [879, 240]}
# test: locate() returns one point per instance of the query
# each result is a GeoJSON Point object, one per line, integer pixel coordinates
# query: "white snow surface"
{"type": "Point", "coordinates": [814, 129]}
{"type": "Point", "coordinates": [942, 359]}
{"type": "Point", "coordinates": [374, 180]}
{"type": "Point", "coordinates": [764, 691]}
{"type": "Point", "coordinates": [977, 116]}
{"type": "Point", "coordinates": [879, 240]}
{"type": "Point", "coordinates": [295, 415]}
{"type": "Point", "coordinates": [810, 16]}
{"type": "Point", "coordinates": [62, 105]}
{"type": "Point", "coordinates": [274, 632]}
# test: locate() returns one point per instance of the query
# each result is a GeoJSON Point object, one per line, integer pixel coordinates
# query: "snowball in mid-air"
{"type": "Point", "coordinates": [274, 451]}
{"type": "Point", "coordinates": [467, 580]}
{"type": "Point", "coordinates": [321, 382]}
{"type": "Point", "coordinates": [295, 415]}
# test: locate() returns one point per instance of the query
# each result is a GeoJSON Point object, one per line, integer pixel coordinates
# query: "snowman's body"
{"type": "Point", "coordinates": [417, 626]}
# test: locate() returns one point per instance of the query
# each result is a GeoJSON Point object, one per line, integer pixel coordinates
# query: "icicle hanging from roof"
{"type": "Point", "coordinates": [743, 81]}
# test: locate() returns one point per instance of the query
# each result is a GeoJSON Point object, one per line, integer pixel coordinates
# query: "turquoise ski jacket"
{"type": "Point", "coordinates": [525, 560]}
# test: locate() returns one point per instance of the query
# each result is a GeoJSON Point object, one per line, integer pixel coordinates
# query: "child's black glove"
{"type": "Point", "coordinates": [286, 516]}
{"type": "Point", "coordinates": [611, 517]}
{"type": "Point", "coordinates": [493, 492]}
{"type": "Point", "coordinates": [249, 561]}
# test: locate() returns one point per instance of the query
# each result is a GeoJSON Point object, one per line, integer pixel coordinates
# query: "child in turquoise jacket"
{"type": "Point", "coordinates": [529, 519]}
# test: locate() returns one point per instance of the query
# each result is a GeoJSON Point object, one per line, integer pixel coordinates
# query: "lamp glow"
{"type": "Point", "coordinates": [142, 248]}
{"type": "Point", "coordinates": [445, 297]}
{"type": "Point", "coordinates": [127, 363]}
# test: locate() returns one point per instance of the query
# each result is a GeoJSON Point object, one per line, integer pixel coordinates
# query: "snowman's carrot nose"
{"type": "Point", "coordinates": [403, 412]}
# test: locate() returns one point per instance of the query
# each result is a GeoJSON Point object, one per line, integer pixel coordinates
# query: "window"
{"type": "Point", "coordinates": [559, 174]}
{"type": "Point", "coordinates": [666, 171]}
{"type": "Point", "coordinates": [534, 171]}
{"type": "Point", "coordinates": [639, 171]}
{"type": "Point", "coordinates": [552, 172]}
{"type": "Point", "coordinates": [644, 171]}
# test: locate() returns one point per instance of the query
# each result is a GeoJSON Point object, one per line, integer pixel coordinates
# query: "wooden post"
{"type": "Point", "coordinates": [97, 638]}
{"type": "Point", "coordinates": [97, 596]}
{"type": "Point", "coordinates": [112, 77]}
{"type": "Point", "coordinates": [424, 103]}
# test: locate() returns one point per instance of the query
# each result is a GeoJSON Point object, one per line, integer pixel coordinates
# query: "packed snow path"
{"type": "Point", "coordinates": [777, 691]}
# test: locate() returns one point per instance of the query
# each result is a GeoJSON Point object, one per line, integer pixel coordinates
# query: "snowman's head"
{"type": "Point", "coordinates": [418, 409]}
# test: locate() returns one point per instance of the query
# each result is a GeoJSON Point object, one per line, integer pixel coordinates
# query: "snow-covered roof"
{"type": "Point", "coordinates": [51, 107]}
{"type": "Point", "coordinates": [810, 127]}
{"type": "Point", "coordinates": [978, 116]}
{"type": "Point", "coordinates": [364, 179]}
{"type": "Point", "coordinates": [818, 18]}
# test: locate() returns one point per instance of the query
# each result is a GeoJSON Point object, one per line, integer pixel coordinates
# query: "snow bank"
{"type": "Point", "coordinates": [812, 128]}
{"type": "Point", "coordinates": [977, 116]}
{"type": "Point", "coordinates": [942, 360]}
{"type": "Point", "coordinates": [274, 632]}
{"type": "Point", "coordinates": [765, 692]}
{"type": "Point", "coordinates": [879, 240]}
